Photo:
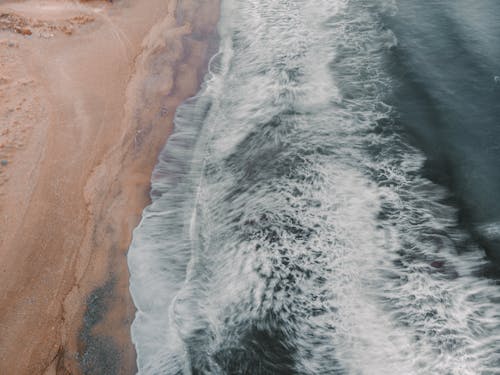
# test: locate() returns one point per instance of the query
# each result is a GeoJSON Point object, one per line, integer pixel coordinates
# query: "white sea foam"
{"type": "Point", "coordinates": [291, 232]}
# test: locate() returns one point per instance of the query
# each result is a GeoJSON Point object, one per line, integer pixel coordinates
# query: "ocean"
{"type": "Point", "coordinates": [327, 203]}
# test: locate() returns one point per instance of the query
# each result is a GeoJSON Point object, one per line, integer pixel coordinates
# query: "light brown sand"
{"type": "Point", "coordinates": [88, 92]}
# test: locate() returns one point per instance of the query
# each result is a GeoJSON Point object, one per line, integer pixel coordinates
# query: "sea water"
{"type": "Point", "coordinates": [307, 213]}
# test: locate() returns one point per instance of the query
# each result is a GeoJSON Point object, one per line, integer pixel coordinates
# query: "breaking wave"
{"type": "Point", "coordinates": [291, 229]}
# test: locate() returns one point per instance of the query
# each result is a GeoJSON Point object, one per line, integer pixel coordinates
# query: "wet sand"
{"type": "Point", "coordinates": [88, 92]}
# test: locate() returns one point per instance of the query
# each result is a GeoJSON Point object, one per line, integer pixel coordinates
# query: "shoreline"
{"type": "Point", "coordinates": [95, 106]}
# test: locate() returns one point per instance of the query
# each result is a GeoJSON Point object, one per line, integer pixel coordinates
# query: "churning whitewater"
{"type": "Point", "coordinates": [291, 231]}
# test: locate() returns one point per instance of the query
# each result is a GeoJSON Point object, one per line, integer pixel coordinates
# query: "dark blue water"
{"type": "Point", "coordinates": [447, 69]}
{"type": "Point", "coordinates": [327, 201]}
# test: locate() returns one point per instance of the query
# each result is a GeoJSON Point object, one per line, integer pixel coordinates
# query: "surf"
{"type": "Point", "coordinates": [291, 229]}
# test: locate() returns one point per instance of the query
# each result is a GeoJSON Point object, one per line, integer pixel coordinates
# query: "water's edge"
{"type": "Point", "coordinates": [292, 230]}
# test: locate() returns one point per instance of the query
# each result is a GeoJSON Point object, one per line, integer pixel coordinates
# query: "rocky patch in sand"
{"type": "Point", "coordinates": [19, 110]}
{"type": "Point", "coordinates": [19, 23]}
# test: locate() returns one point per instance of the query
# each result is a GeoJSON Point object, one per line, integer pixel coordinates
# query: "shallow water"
{"type": "Point", "coordinates": [297, 223]}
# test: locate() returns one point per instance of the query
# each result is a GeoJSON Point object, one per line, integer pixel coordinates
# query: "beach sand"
{"type": "Point", "coordinates": [88, 92]}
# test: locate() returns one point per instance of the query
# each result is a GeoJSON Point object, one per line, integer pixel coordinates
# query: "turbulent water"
{"type": "Point", "coordinates": [295, 226]}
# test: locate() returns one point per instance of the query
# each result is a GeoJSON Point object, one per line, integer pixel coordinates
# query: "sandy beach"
{"type": "Point", "coordinates": [88, 92]}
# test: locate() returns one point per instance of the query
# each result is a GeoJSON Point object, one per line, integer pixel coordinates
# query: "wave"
{"type": "Point", "coordinates": [291, 231]}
